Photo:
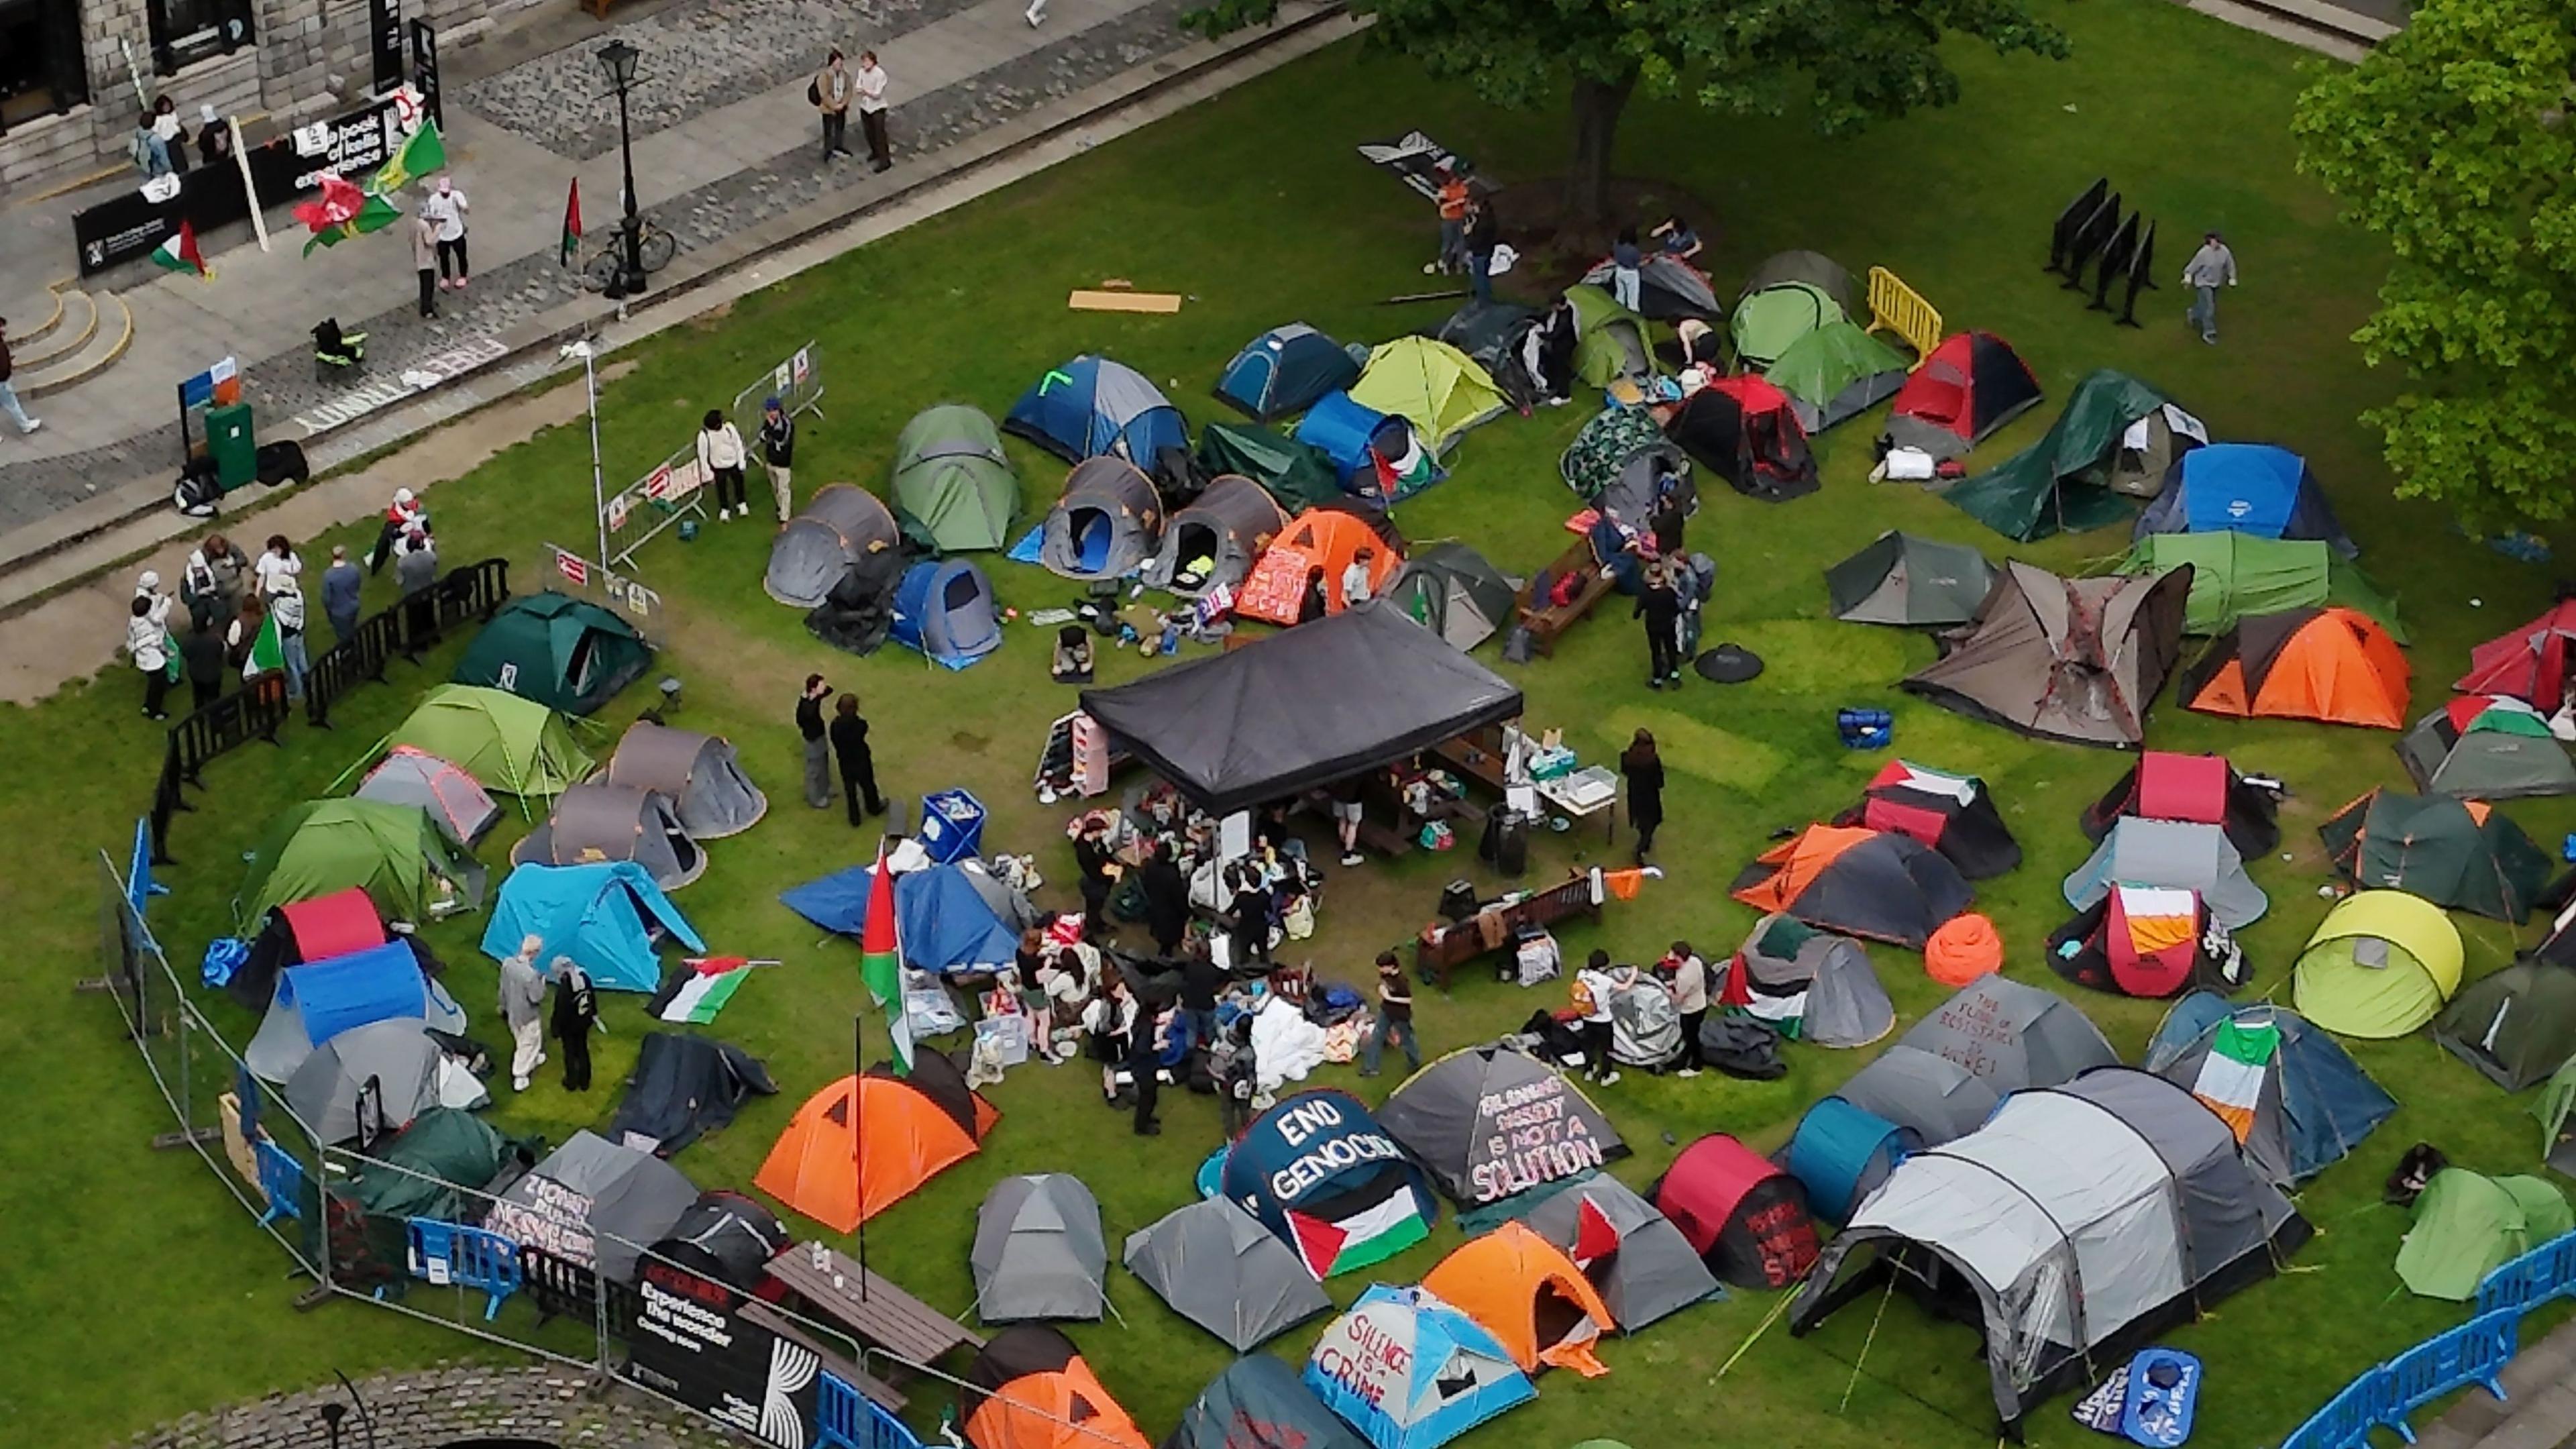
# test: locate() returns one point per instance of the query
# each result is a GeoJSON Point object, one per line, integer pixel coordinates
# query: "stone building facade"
{"type": "Point", "coordinates": [76, 75]}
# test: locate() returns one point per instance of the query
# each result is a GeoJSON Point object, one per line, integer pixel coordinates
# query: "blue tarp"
{"type": "Point", "coordinates": [1840, 1152]}
{"type": "Point", "coordinates": [2249, 488]}
{"type": "Point", "coordinates": [1091, 406]}
{"type": "Point", "coordinates": [941, 918]}
{"type": "Point", "coordinates": [377, 984]}
{"type": "Point", "coordinates": [600, 915]}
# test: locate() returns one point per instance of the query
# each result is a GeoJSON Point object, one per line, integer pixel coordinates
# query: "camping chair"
{"type": "Point", "coordinates": [337, 354]}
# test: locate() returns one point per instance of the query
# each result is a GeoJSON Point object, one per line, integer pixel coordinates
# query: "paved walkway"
{"type": "Point", "coordinates": [552, 1405]}
{"type": "Point", "coordinates": [2540, 1414]}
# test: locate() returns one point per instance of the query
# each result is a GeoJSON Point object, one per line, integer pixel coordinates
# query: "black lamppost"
{"type": "Point", "coordinates": [618, 59]}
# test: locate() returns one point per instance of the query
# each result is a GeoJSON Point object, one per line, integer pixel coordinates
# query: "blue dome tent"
{"type": "Point", "coordinates": [2250, 488]}
{"type": "Point", "coordinates": [1840, 1152]}
{"type": "Point", "coordinates": [1284, 371]}
{"type": "Point", "coordinates": [1092, 406]}
{"type": "Point", "coordinates": [1410, 1372]}
{"type": "Point", "coordinates": [604, 916]}
{"type": "Point", "coordinates": [944, 922]}
{"type": "Point", "coordinates": [944, 610]}
{"type": "Point", "coordinates": [1318, 1171]}
{"type": "Point", "coordinates": [2312, 1104]}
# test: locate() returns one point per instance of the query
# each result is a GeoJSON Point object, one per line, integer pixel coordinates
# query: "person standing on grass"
{"type": "Point", "coordinates": [1314, 603]}
{"type": "Point", "coordinates": [1237, 1076]}
{"type": "Point", "coordinates": [446, 207]}
{"type": "Point", "coordinates": [1686, 976]}
{"type": "Point", "coordinates": [1201, 980]}
{"type": "Point", "coordinates": [849, 735]}
{"type": "Point", "coordinates": [1145, 1071]}
{"type": "Point", "coordinates": [1593, 988]}
{"type": "Point", "coordinates": [1248, 904]}
{"type": "Point", "coordinates": [2209, 269]}
{"type": "Point", "coordinates": [778, 455]}
{"type": "Point", "coordinates": [832, 91]}
{"type": "Point", "coordinates": [721, 457]}
{"type": "Point", "coordinates": [401, 515]}
{"type": "Point", "coordinates": [415, 561]}
{"type": "Point", "coordinates": [1451, 199]}
{"type": "Point", "coordinates": [1483, 235]}
{"type": "Point", "coordinates": [872, 110]}
{"type": "Point", "coordinates": [1394, 1018]}
{"type": "Point", "coordinates": [286, 605]}
{"type": "Point", "coordinates": [210, 582]}
{"type": "Point", "coordinates": [1167, 901]}
{"type": "Point", "coordinates": [424, 262]}
{"type": "Point", "coordinates": [1643, 770]}
{"type": "Point", "coordinates": [1348, 811]}
{"type": "Point", "coordinates": [1097, 869]}
{"type": "Point", "coordinates": [818, 750]}
{"type": "Point", "coordinates": [341, 585]}
{"type": "Point", "coordinates": [576, 1011]}
{"type": "Point", "coordinates": [147, 639]}
{"type": "Point", "coordinates": [277, 561]}
{"type": "Point", "coordinates": [523, 999]}
{"type": "Point", "coordinates": [1659, 604]}
{"type": "Point", "coordinates": [1355, 577]}
{"type": "Point", "coordinates": [202, 653]}
{"type": "Point", "coordinates": [9, 404]}
{"type": "Point", "coordinates": [1625, 260]}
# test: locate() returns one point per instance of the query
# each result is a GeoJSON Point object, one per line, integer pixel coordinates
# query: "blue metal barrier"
{"type": "Point", "coordinates": [281, 1181]}
{"type": "Point", "coordinates": [2472, 1353]}
{"type": "Point", "coordinates": [2346, 1419]}
{"type": "Point", "coordinates": [2544, 1273]}
{"type": "Point", "coordinates": [844, 1418]}
{"type": "Point", "coordinates": [467, 1257]}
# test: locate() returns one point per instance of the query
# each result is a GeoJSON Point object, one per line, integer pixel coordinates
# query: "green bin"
{"type": "Point", "coordinates": [232, 444]}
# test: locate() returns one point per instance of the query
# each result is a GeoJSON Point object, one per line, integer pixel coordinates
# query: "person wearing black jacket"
{"type": "Point", "coordinates": [858, 763]}
{"type": "Point", "coordinates": [1659, 603]}
{"type": "Point", "coordinates": [778, 455]}
{"type": "Point", "coordinates": [1483, 235]}
{"type": "Point", "coordinates": [576, 1010]}
{"type": "Point", "coordinates": [1167, 901]}
{"type": "Point", "coordinates": [818, 751]}
{"type": "Point", "coordinates": [1098, 868]}
{"type": "Point", "coordinates": [1643, 769]}
{"type": "Point", "coordinates": [1200, 983]}
{"type": "Point", "coordinates": [202, 650]}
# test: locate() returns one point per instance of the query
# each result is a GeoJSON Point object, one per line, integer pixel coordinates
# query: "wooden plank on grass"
{"type": "Point", "coordinates": [1082, 301]}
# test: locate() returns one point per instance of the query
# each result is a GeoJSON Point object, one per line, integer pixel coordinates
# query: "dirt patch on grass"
{"type": "Point", "coordinates": [1557, 250]}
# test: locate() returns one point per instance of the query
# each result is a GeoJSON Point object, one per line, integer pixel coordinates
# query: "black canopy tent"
{"type": "Point", "coordinates": [1305, 707]}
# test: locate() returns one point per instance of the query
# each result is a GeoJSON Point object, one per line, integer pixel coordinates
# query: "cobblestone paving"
{"type": "Point", "coordinates": [440, 1406]}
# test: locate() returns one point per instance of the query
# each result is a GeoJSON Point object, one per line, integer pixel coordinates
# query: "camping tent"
{"type": "Point", "coordinates": [607, 916]}
{"type": "Point", "coordinates": [2237, 574]}
{"type": "Point", "coordinates": [511, 746]}
{"type": "Point", "coordinates": [1320, 1173]}
{"type": "Point", "coordinates": [1106, 523]}
{"type": "Point", "coordinates": [838, 526]}
{"type": "Point", "coordinates": [1745, 1217]}
{"type": "Point", "coordinates": [1840, 1154]}
{"type": "Point", "coordinates": [564, 653]}
{"type": "Point", "coordinates": [1375, 454]}
{"type": "Point", "coordinates": [2379, 965]}
{"type": "Point", "coordinates": [2245, 488]}
{"type": "Point", "coordinates": [2146, 940]}
{"type": "Point", "coordinates": [1212, 543]}
{"type": "Point", "coordinates": [700, 774]}
{"type": "Point", "coordinates": [1030, 1389]}
{"type": "Point", "coordinates": [1954, 814]}
{"type": "Point", "coordinates": [366, 1081]}
{"type": "Point", "coordinates": [1811, 985]}
{"type": "Point", "coordinates": [461, 809]}
{"type": "Point", "coordinates": [2467, 1225]}
{"type": "Point", "coordinates": [1449, 589]}
{"type": "Point", "coordinates": [1432, 385]}
{"type": "Point", "coordinates": [2529, 663]}
{"type": "Point", "coordinates": [595, 1203]}
{"type": "Point", "coordinates": [1972, 384]}
{"type": "Point", "coordinates": [2078, 1222]}
{"type": "Point", "coordinates": [1223, 1271]}
{"type": "Point", "coordinates": [2516, 1025]}
{"type": "Point", "coordinates": [1509, 341]}
{"type": "Point", "coordinates": [1857, 881]}
{"type": "Point", "coordinates": [1645, 1026]}
{"type": "Point", "coordinates": [1813, 268]}
{"type": "Point", "coordinates": [1259, 1402]}
{"type": "Point", "coordinates": [2078, 660]}
{"type": "Point", "coordinates": [301, 932]}
{"type": "Point", "coordinates": [1609, 340]}
{"type": "Point", "coordinates": [1490, 1122]}
{"type": "Point", "coordinates": [406, 865]}
{"type": "Point", "coordinates": [2173, 853]}
{"type": "Point", "coordinates": [2304, 1104]}
{"type": "Point", "coordinates": [1529, 1295]}
{"type": "Point", "coordinates": [1294, 473]}
{"type": "Point", "coordinates": [1902, 579]}
{"type": "Point", "coordinates": [2330, 664]}
{"type": "Point", "coordinates": [859, 610]}
{"type": "Point", "coordinates": [1039, 1252]}
{"type": "Point", "coordinates": [1668, 288]}
{"type": "Point", "coordinates": [1092, 407]}
{"type": "Point", "coordinates": [725, 1238]}
{"type": "Point", "coordinates": [953, 487]}
{"type": "Point", "coordinates": [1743, 430]}
{"type": "Point", "coordinates": [2116, 437]}
{"type": "Point", "coordinates": [2487, 747]}
{"type": "Point", "coordinates": [1607, 442]}
{"type": "Point", "coordinates": [1769, 322]}
{"type": "Point", "coordinates": [1994, 1037]}
{"type": "Point", "coordinates": [431, 1169]}
{"type": "Point", "coordinates": [944, 610]}
{"type": "Point", "coordinates": [1282, 372]}
{"type": "Point", "coordinates": [901, 1131]}
{"type": "Point", "coordinates": [1643, 1267]}
{"type": "Point", "coordinates": [683, 1087]}
{"type": "Point", "coordinates": [598, 821]}
{"type": "Point", "coordinates": [310, 1005]}
{"type": "Point", "coordinates": [2203, 789]}
{"type": "Point", "coordinates": [1410, 1372]}
{"type": "Point", "coordinates": [2462, 854]}
{"type": "Point", "coordinates": [1377, 687]}
{"type": "Point", "coordinates": [1835, 373]}
{"type": "Point", "coordinates": [941, 916]}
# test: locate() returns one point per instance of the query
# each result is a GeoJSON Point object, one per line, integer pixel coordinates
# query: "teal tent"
{"type": "Point", "coordinates": [1293, 473]}
{"type": "Point", "coordinates": [562, 652]}
{"type": "Point", "coordinates": [2065, 481]}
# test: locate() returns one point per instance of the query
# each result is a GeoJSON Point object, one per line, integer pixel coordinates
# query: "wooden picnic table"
{"type": "Point", "coordinates": [868, 1307]}
{"type": "Point", "coordinates": [884, 1395]}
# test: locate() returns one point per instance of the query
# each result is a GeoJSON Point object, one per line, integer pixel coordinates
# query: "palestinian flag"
{"type": "Point", "coordinates": [178, 252]}
{"type": "Point", "coordinates": [881, 962]}
{"type": "Point", "coordinates": [710, 983]}
{"type": "Point", "coordinates": [420, 155]}
{"type": "Point", "coordinates": [268, 651]}
{"type": "Point", "coordinates": [1357, 1234]}
{"type": "Point", "coordinates": [2231, 1076]}
{"type": "Point", "coordinates": [572, 223]}
{"type": "Point", "coordinates": [343, 212]}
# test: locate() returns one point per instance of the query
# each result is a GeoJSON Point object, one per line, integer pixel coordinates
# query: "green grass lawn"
{"type": "Point", "coordinates": [135, 1292]}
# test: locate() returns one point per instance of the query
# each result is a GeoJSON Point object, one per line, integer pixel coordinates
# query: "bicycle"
{"type": "Point", "coordinates": [655, 248]}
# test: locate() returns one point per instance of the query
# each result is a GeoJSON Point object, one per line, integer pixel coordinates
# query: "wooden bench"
{"type": "Point", "coordinates": [1443, 945]}
{"type": "Point", "coordinates": [884, 1395]}
{"type": "Point", "coordinates": [1545, 621]}
{"type": "Point", "coordinates": [867, 1307]}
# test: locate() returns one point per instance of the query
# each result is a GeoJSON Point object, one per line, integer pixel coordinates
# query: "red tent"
{"type": "Point", "coordinates": [2529, 663]}
{"type": "Point", "coordinates": [1972, 384]}
{"type": "Point", "coordinates": [2199, 789]}
{"type": "Point", "coordinates": [1746, 431]}
{"type": "Point", "coordinates": [303, 932]}
{"type": "Point", "coordinates": [2148, 941]}
{"type": "Point", "coordinates": [1744, 1216]}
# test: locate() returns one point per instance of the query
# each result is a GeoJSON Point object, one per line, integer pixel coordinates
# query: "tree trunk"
{"type": "Point", "coordinates": [1597, 105]}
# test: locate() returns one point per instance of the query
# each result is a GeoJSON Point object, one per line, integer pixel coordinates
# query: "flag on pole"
{"type": "Point", "coordinates": [268, 651]}
{"type": "Point", "coordinates": [711, 982]}
{"type": "Point", "coordinates": [178, 252]}
{"type": "Point", "coordinates": [881, 962]}
{"type": "Point", "coordinates": [343, 212]}
{"type": "Point", "coordinates": [572, 222]}
{"type": "Point", "coordinates": [419, 155]}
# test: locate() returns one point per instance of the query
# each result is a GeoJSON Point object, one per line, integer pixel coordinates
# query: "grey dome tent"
{"type": "Point", "coordinates": [1259, 1402]}
{"type": "Point", "coordinates": [1218, 1267]}
{"type": "Point", "coordinates": [1497, 336]}
{"type": "Point", "coordinates": [368, 1080]}
{"type": "Point", "coordinates": [1107, 523]}
{"type": "Point", "coordinates": [1449, 589]}
{"type": "Point", "coordinates": [1669, 289]}
{"type": "Point", "coordinates": [1813, 268]}
{"type": "Point", "coordinates": [841, 523]}
{"type": "Point", "coordinates": [2176, 853]}
{"type": "Point", "coordinates": [700, 774]}
{"type": "Point", "coordinates": [2078, 660]}
{"type": "Point", "coordinates": [1902, 579]}
{"type": "Point", "coordinates": [2311, 1104]}
{"type": "Point", "coordinates": [455, 801]}
{"type": "Point", "coordinates": [1816, 986]}
{"type": "Point", "coordinates": [2487, 747]}
{"type": "Point", "coordinates": [1038, 1252]}
{"type": "Point", "coordinates": [1213, 542]}
{"type": "Point", "coordinates": [600, 822]}
{"type": "Point", "coordinates": [1456, 1117]}
{"type": "Point", "coordinates": [1647, 1271]}
{"type": "Point", "coordinates": [594, 1203]}
{"type": "Point", "coordinates": [2516, 1025]}
{"type": "Point", "coordinates": [1645, 1026]}
{"type": "Point", "coordinates": [1994, 1037]}
{"type": "Point", "coordinates": [953, 486]}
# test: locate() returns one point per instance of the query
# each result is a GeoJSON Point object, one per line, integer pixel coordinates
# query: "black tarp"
{"type": "Point", "coordinates": [684, 1087]}
{"type": "Point", "coordinates": [1305, 707]}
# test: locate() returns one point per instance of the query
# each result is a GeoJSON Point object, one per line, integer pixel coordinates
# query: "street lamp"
{"type": "Point", "coordinates": [618, 59]}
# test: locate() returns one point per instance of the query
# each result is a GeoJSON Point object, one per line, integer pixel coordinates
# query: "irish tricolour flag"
{"type": "Point", "coordinates": [2231, 1076]}
{"type": "Point", "coordinates": [881, 962]}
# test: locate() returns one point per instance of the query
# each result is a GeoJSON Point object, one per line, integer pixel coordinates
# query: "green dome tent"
{"type": "Point", "coordinates": [1769, 322]}
{"type": "Point", "coordinates": [2237, 574]}
{"type": "Point", "coordinates": [2467, 1225]}
{"type": "Point", "coordinates": [562, 652]}
{"type": "Point", "coordinates": [1609, 340]}
{"type": "Point", "coordinates": [2516, 1025]}
{"type": "Point", "coordinates": [1837, 372]}
{"type": "Point", "coordinates": [1295, 475]}
{"type": "Point", "coordinates": [2464, 855]}
{"type": "Point", "coordinates": [395, 853]}
{"type": "Point", "coordinates": [2379, 966]}
{"type": "Point", "coordinates": [2064, 482]}
{"type": "Point", "coordinates": [509, 745]}
{"type": "Point", "coordinates": [953, 485]}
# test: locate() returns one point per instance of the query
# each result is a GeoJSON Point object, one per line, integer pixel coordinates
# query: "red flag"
{"type": "Point", "coordinates": [1594, 1237]}
{"type": "Point", "coordinates": [341, 201]}
{"type": "Point", "coordinates": [572, 222]}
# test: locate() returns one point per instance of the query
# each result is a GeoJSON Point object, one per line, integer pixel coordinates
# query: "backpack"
{"type": "Point", "coordinates": [814, 92]}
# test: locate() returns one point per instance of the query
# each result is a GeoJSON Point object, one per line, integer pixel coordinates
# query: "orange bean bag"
{"type": "Point", "coordinates": [1963, 949]}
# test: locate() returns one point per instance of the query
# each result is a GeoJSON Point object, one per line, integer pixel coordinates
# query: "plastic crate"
{"type": "Point", "coordinates": [952, 826]}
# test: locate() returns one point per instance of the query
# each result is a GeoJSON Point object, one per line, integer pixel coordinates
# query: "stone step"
{"type": "Point", "coordinates": [36, 320]}
{"type": "Point", "coordinates": [111, 334]}
{"type": "Point", "coordinates": [75, 319]}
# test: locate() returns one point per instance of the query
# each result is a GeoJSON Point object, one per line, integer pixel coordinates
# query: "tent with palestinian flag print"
{"type": "Point", "coordinates": [1318, 1171]}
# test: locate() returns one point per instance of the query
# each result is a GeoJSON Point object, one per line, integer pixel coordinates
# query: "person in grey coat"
{"type": "Point", "coordinates": [415, 574]}
{"type": "Point", "coordinates": [818, 745]}
{"type": "Point", "coordinates": [523, 999]}
{"type": "Point", "coordinates": [341, 583]}
{"type": "Point", "coordinates": [2209, 269]}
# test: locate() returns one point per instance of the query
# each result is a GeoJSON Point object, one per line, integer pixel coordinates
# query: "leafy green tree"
{"type": "Point", "coordinates": [2452, 142]}
{"type": "Point", "coordinates": [1851, 61]}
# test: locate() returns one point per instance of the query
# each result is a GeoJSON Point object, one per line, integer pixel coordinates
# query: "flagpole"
{"type": "Point", "coordinates": [858, 1128]}
{"type": "Point", "coordinates": [250, 187]}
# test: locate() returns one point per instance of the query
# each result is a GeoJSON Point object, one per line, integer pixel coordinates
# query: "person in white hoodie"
{"type": "Point", "coordinates": [147, 638]}
{"type": "Point", "coordinates": [721, 457]}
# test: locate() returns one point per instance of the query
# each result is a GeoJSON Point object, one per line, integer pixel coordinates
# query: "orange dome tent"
{"type": "Point", "coordinates": [1035, 1392]}
{"type": "Point", "coordinates": [1323, 537]}
{"type": "Point", "coordinates": [2331, 664]}
{"type": "Point", "coordinates": [1857, 882]}
{"type": "Point", "coordinates": [898, 1131]}
{"type": "Point", "coordinates": [1529, 1295]}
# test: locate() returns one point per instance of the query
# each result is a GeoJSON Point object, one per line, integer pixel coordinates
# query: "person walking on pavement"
{"type": "Point", "coordinates": [1592, 990]}
{"type": "Point", "coordinates": [523, 998]}
{"type": "Point", "coordinates": [1686, 976]}
{"type": "Point", "coordinates": [778, 455]}
{"type": "Point", "coordinates": [721, 456]}
{"type": "Point", "coordinates": [576, 1011]}
{"type": "Point", "coordinates": [446, 206]}
{"type": "Point", "coordinates": [818, 750]}
{"type": "Point", "coordinates": [832, 91]}
{"type": "Point", "coordinates": [1643, 770]}
{"type": "Point", "coordinates": [147, 639]}
{"type": "Point", "coordinates": [9, 404]}
{"type": "Point", "coordinates": [872, 110]}
{"type": "Point", "coordinates": [1394, 1018]}
{"type": "Point", "coordinates": [1036, 13]}
{"type": "Point", "coordinates": [1483, 235]}
{"type": "Point", "coordinates": [424, 261]}
{"type": "Point", "coordinates": [1659, 604]}
{"type": "Point", "coordinates": [858, 763]}
{"type": "Point", "coordinates": [2209, 269]}
{"type": "Point", "coordinates": [341, 585]}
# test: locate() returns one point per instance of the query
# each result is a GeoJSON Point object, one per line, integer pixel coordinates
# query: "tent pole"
{"type": "Point", "coordinates": [858, 1126]}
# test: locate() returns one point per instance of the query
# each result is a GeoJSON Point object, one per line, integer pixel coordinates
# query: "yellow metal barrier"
{"type": "Point", "coordinates": [1898, 308]}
